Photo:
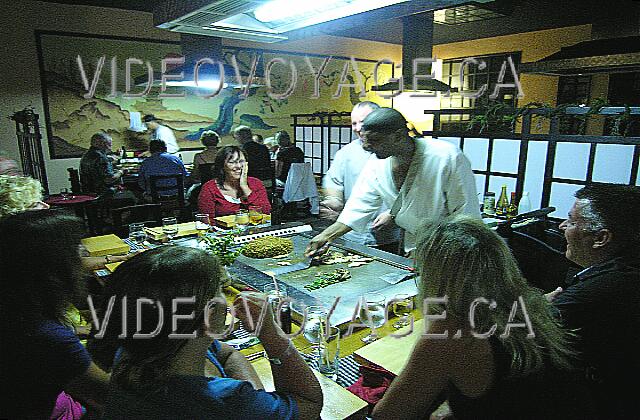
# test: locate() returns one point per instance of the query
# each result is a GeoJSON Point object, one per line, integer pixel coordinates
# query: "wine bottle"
{"type": "Point", "coordinates": [512, 210]}
{"type": "Point", "coordinates": [503, 202]}
{"type": "Point", "coordinates": [276, 209]}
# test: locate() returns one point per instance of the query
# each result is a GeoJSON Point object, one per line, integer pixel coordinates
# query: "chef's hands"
{"type": "Point", "coordinates": [318, 245]}
{"type": "Point", "coordinates": [383, 219]}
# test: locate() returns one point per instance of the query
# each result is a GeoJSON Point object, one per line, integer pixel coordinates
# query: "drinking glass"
{"type": "Point", "coordinates": [64, 194]}
{"type": "Point", "coordinates": [329, 352]}
{"type": "Point", "coordinates": [202, 223]}
{"type": "Point", "coordinates": [372, 314]}
{"type": "Point", "coordinates": [275, 295]}
{"type": "Point", "coordinates": [170, 227]}
{"type": "Point", "coordinates": [402, 307]}
{"type": "Point", "coordinates": [137, 233]}
{"type": "Point", "coordinates": [242, 219]}
{"type": "Point", "coordinates": [255, 215]}
{"type": "Point", "coordinates": [315, 323]}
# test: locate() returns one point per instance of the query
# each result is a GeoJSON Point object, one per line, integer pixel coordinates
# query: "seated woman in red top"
{"type": "Point", "coordinates": [231, 189]}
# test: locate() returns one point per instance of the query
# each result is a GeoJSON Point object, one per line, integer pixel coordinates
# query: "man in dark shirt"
{"type": "Point", "coordinates": [257, 154]}
{"type": "Point", "coordinates": [96, 167]}
{"type": "Point", "coordinates": [603, 303]}
{"type": "Point", "coordinates": [287, 154]}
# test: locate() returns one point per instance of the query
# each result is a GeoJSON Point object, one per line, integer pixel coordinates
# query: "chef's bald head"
{"type": "Point", "coordinates": [384, 120]}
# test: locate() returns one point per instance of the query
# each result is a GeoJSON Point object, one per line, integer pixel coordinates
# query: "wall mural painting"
{"type": "Point", "coordinates": [73, 113]}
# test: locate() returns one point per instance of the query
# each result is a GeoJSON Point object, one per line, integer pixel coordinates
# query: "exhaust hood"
{"type": "Point", "coordinates": [256, 20]}
{"type": "Point", "coordinates": [612, 55]}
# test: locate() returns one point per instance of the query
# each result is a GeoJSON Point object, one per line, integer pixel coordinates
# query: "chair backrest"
{"type": "Point", "coordinates": [167, 186]}
{"type": "Point", "coordinates": [206, 172]}
{"type": "Point", "coordinates": [149, 214]}
{"type": "Point", "coordinates": [74, 179]}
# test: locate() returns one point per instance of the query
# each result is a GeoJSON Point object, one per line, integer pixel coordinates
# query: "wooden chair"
{"type": "Point", "coordinates": [168, 190]}
{"type": "Point", "coordinates": [149, 214]}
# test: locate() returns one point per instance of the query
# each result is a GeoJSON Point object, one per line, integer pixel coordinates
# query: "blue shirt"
{"type": "Point", "coordinates": [37, 363]}
{"type": "Point", "coordinates": [197, 397]}
{"type": "Point", "coordinates": [160, 164]}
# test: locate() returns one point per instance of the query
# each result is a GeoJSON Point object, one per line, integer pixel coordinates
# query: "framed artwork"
{"type": "Point", "coordinates": [84, 89]}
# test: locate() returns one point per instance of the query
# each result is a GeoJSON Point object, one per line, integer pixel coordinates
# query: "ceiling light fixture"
{"type": "Point", "coordinates": [286, 15]}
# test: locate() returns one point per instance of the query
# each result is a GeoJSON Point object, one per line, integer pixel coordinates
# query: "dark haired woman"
{"type": "Point", "coordinates": [231, 189]}
{"type": "Point", "coordinates": [163, 375]}
{"type": "Point", "coordinates": [483, 368]}
{"type": "Point", "coordinates": [45, 369]}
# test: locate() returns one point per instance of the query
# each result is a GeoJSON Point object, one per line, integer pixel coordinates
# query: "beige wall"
{"type": "Point", "coordinates": [534, 46]}
{"type": "Point", "coordinates": [21, 78]}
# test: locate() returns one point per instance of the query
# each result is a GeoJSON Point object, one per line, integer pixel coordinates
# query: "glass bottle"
{"type": "Point", "coordinates": [512, 210]}
{"type": "Point", "coordinates": [503, 202]}
{"type": "Point", "coordinates": [525, 203]}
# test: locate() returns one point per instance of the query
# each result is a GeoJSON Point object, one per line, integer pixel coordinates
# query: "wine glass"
{"type": "Point", "coordinates": [202, 223]}
{"type": "Point", "coordinates": [402, 307]}
{"type": "Point", "coordinates": [242, 219]}
{"type": "Point", "coordinates": [64, 194]}
{"type": "Point", "coordinates": [170, 227]}
{"type": "Point", "coordinates": [372, 313]}
{"type": "Point", "coordinates": [137, 233]}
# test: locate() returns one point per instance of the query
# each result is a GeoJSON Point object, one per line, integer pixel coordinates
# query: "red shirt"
{"type": "Point", "coordinates": [212, 202]}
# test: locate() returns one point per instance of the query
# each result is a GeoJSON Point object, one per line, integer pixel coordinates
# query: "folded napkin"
{"type": "Point", "coordinates": [372, 383]}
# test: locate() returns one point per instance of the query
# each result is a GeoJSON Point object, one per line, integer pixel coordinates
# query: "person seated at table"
{"type": "Point", "coordinates": [232, 188]}
{"type": "Point", "coordinates": [210, 140]}
{"type": "Point", "coordinates": [97, 175]}
{"type": "Point", "coordinates": [20, 193]}
{"type": "Point", "coordinates": [287, 154]}
{"type": "Point", "coordinates": [167, 377]}
{"type": "Point", "coordinates": [45, 372]}
{"type": "Point", "coordinates": [488, 362]}
{"type": "Point", "coordinates": [256, 154]}
{"type": "Point", "coordinates": [602, 303]}
{"type": "Point", "coordinates": [272, 144]}
{"type": "Point", "coordinates": [23, 193]}
{"type": "Point", "coordinates": [160, 163]}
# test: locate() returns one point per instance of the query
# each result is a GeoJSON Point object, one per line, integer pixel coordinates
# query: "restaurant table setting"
{"type": "Point", "coordinates": [327, 347]}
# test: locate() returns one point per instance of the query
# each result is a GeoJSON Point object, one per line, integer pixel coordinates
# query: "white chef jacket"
{"type": "Point", "coordinates": [166, 134]}
{"type": "Point", "coordinates": [347, 165]}
{"type": "Point", "coordinates": [439, 183]}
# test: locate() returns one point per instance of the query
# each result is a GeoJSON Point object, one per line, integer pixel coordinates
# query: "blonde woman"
{"type": "Point", "coordinates": [20, 193]}
{"type": "Point", "coordinates": [484, 365]}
